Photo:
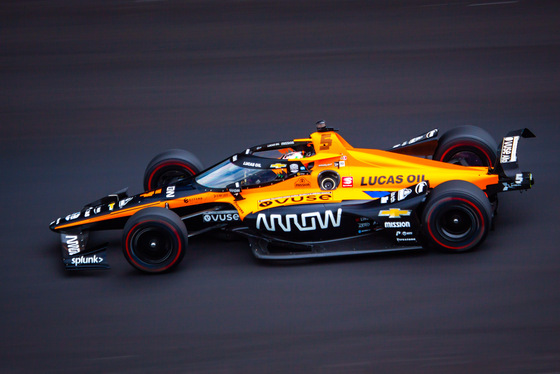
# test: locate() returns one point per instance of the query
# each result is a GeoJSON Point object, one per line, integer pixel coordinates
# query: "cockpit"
{"type": "Point", "coordinates": [258, 166]}
{"type": "Point", "coordinates": [228, 172]}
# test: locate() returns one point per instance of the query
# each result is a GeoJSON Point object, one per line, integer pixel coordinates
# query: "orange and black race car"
{"type": "Point", "coordinates": [310, 197]}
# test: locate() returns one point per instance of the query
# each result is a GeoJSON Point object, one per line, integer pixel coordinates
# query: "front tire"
{"type": "Point", "coordinates": [169, 167]}
{"type": "Point", "coordinates": [456, 217]}
{"type": "Point", "coordinates": [467, 146]}
{"type": "Point", "coordinates": [154, 240]}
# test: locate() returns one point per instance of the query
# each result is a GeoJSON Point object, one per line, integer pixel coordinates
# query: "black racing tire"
{"type": "Point", "coordinates": [169, 167]}
{"type": "Point", "coordinates": [456, 217]}
{"type": "Point", "coordinates": [467, 146]}
{"type": "Point", "coordinates": [154, 240]}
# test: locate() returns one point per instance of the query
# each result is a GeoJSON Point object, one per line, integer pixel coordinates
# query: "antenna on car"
{"type": "Point", "coordinates": [322, 126]}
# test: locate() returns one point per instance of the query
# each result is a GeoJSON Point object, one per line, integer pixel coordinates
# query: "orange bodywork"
{"type": "Point", "coordinates": [364, 174]}
{"type": "Point", "coordinates": [360, 170]}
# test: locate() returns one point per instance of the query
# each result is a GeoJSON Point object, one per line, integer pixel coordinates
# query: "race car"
{"type": "Point", "coordinates": [310, 197]}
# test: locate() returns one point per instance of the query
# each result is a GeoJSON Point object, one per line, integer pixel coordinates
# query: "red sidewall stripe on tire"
{"type": "Point", "coordinates": [165, 165]}
{"type": "Point", "coordinates": [468, 145]}
{"type": "Point", "coordinates": [128, 252]}
{"type": "Point", "coordinates": [465, 201]}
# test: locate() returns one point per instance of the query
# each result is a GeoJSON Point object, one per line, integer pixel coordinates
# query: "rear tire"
{"type": "Point", "coordinates": [456, 217]}
{"type": "Point", "coordinates": [467, 146]}
{"type": "Point", "coordinates": [154, 240]}
{"type": "Point", "coordinates": [170, 166]}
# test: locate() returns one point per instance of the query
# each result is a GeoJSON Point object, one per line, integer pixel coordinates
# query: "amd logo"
{"type": "Point", "coordinates": [299, 222]}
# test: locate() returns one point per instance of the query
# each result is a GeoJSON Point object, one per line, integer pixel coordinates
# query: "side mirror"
{"type": "Point", "coordinates": [235, 190]}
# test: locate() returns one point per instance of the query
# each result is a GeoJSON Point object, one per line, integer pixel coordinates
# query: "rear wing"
{"type": "Point", "coordinates": [506, 166]}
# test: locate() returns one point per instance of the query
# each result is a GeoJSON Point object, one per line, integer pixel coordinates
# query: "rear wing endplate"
{"type": "Point", "coordinates": [506, 166]}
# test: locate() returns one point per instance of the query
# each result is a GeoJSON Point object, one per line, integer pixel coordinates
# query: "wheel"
{"type": "Point", "coordinates": [467, 146]}
{"type": "Point", "coordinates": [456, 217]}
{"type": "Point", "coordinates": [170, 166]}
{"type": "Point", "coordinates": [154, 240]}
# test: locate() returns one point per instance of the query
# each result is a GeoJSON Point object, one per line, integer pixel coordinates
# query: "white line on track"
{"type": "Point", "coordinates": [495, 3]}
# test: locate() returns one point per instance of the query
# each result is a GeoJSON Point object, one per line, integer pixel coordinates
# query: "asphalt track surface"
{"type": "Point", "coordinates": [91, 90]}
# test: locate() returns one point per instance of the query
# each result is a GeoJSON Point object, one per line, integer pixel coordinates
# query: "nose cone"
{"type": "Point", "coordinates": [54, 224]}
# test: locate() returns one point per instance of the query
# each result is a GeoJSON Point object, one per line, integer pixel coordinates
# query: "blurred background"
{"type": "Point", "coordinates": [91, 90]}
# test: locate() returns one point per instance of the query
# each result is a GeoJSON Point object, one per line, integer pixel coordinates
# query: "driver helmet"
{"type": "Point", "coordinates": [293, 156]}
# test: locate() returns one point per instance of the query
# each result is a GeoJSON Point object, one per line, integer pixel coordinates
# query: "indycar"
{"type": "Point", "coordinates": [309, 197]}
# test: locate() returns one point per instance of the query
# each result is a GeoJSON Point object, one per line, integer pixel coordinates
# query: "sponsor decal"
{"type": "Point", "coordinates": [301, 198]}
{"type": "Point", "coordinates": [326, 142]}
{"type": "Point", "coordinates": [392, 179]}
{"type": "Point", "coordinates": [341, 164]}
{"type": "Point", "coordinates": [294, 168]}
{"type": "Point", "coordinates": [252, 164]}
{"type": "Point", "coordinates": [223, 216]}
{"type": "Point", "coordinates": [170, 192]}
{"type": "Point", "coordinates": [272, 145]}
{"type": "Point", "coordinates": [343, 158]}
{"type": "Point", "coordinates": [402, 194]}
{"type": "Point", "coordinates": [406, 240]}
{"type": "Point", "coordinates": [363, 231]}
{"type": "Point", "coordinates": [124, 202]}
{"type": "Point", "coordinates": [397, 225]}
{"type": "Point", "coordinates": [73, 216]}
{"type": "Point", "coordinates": [291, 142]}
{"type": "Point", "coordinates": [324, 165]}
{"type": "Point", "coordinates": [187, 200]}
{"type": "Point", "coordinates": [394, 213]}
{"type": "Point", "coordinates": [302, 182]}
{"type": "Point", "coordinates": [299, 222]}
{"type": "Point", "coordinates": [428, 135]}
{"type": "Point", "coordinates": [364, 224]}
{"type": "Point", "coordinates": [420, 187]}
{"type": "Point", "coordinates": [516, 185]}
{"type": "Point", "coordinates": [347, 182]}
{"type": "Point", "coordinates": [278, 166]}
{"type": "Point", "coordinates": [151, 193]}
{"type": "Point", "coordinates": [391, 197]}
{"type": "Point", "coordinates": [509, 149]}
{"type": "Point", "coordinates": [510, 186]}
{"type": "Point", "coordinates": [83, 260]}
{"type": "Point", "coordinates": [239, 209]}
{"type": "Point", "coordinates": [403, 233]}
{"type": "Point", "coordinates": [73, 244]}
